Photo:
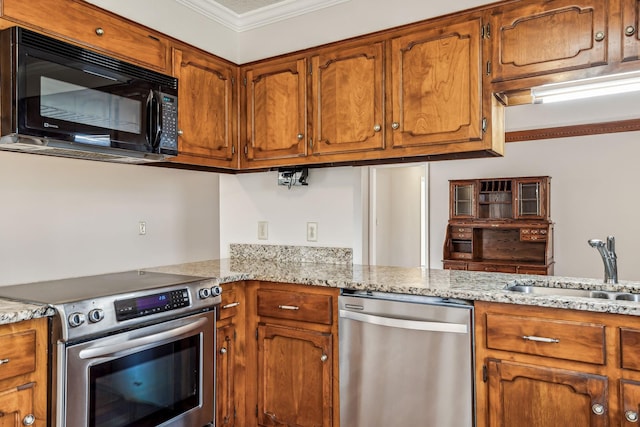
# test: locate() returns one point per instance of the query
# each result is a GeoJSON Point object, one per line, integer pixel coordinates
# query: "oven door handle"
{"type": "Point", "coordinates": [113, 349]}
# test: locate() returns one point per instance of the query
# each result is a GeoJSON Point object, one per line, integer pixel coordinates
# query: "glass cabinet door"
{"type": "Point", "coordinates": [530, 197]}
{"type": "Point", "coordinates": [463, 200]}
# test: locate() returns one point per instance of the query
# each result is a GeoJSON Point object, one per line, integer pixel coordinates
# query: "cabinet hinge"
{"type": "Point", "coordinates": [233, 80]}
{"type": "Point", "coordinates": [485, 376]}
{"type": "Point", "coordinates": [256, 334]}
{"type": "Point", "coordinates": [244, 81]}
{"type": "Point", "coordinates": [310, 142]}
{"type": "Point", "coordinates": [233, 149]}
{"type": "Point", "coordinates": [235, 335]}
{"type": "Point", "coordinates": [256, 411]}
{"type": "Point", "coordinates": [484, 124]}
{"type": "Point", "coordinates": [246, 150]}
{"type": "Point", "coordinates": [488, 68]}
{"type": "Point", "coordinates": [486, 31]}
{"type": "Point", "coordinates": [310, 70]}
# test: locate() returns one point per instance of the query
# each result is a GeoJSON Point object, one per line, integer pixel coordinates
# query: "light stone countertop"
{"type": "Point", "coordinates": [466, 285]}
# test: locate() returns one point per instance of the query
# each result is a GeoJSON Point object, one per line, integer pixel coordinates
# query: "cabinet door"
{"type": "Point", "coordinates": [347, 94]}
{"type": "Point", "coordinates": [294, 377]}
{"type": "Point", "coordinates": [546, 36]}
{"type": "Point", "coordinates": [436, 86]}
{"type": "Point", "coordinates": [80, 23]}
{"type": "Point", "coordinates": [276, 110]}
{"type": "Point", "coordinates": [205, 113]}
{"type": "Point", "coordinates": [537, 396]}
{"type": "Point", "coordinates": [630, 27]}
{"type": "Point", "coordinates": [531, 199]}
{"type": "Point", "coordinates": [16, 407]}
{"type": "Point", "coordinates": [225, 402]}
{"type": "Point", "coordinates": [630, 396]}
{"type": "Point", "coordinates": [462, 198]}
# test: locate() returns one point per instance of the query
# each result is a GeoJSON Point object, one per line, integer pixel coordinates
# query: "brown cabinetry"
{"type": "Point", "coordinates": [296, 354]}
{"type": "Point", "coordinates": [83, 24]}
{"type": "Point", "coordinates": [23, 373]}
{"type": "Point", "coordinates": [207, 114]}
{"type": "Point", "coordinates": [546, 367]}
{"type": "Point", "coordinates": [500, 225]}
{"type": "Point", "coordinates": [275, 111]}
{"type": "Point", "coordinates": [629, 30]}
{"type": "Point", "coordinates": [230, 357]}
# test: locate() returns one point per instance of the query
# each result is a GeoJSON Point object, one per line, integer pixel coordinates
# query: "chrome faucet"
{"type": "Point", "coordinates": [609, 258]}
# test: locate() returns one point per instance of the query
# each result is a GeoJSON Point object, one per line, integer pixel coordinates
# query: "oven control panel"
{"type": "Point", "coordinates": [151, 304]}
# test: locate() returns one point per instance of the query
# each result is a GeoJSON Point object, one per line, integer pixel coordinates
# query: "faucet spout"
{"type": "Point", "coordinates": [609, 258]}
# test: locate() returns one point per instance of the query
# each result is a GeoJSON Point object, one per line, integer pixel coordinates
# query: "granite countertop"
{"type": "Point", "coordinates": [467, 285]}
{"type": "Point", "coordinates": [311, 268]}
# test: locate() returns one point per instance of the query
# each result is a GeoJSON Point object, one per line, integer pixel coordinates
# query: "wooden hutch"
{"type": "Point", "coordinates": [501, 225]}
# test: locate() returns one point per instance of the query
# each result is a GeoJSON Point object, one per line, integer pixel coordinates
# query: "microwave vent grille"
{"type": "Point", "coordinates": [39, 41]}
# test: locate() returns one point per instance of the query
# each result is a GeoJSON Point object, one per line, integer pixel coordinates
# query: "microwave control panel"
{"type": "Point", "coordinates": [169, 136]}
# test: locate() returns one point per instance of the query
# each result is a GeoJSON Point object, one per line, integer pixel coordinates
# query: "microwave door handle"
{"type": "Point", "coordinates": [154, 120]}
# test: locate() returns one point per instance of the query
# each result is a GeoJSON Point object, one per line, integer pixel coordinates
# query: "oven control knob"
{"type": "Point", "coordinates": [216, 290]}
{"type": "Point", "coordinates": [76, 319]}
{"type": "Point", "coordinates": [96, 315]}
{"type": "Point", "coordinates": [204, 293]}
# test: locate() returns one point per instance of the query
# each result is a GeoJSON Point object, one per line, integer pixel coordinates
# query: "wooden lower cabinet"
{"type": "Point", "coordinates": [23, 373]}
{"type": "Point", "coordinates": [292, 355]}
{"type": "Point", "coordinates": [538, 396]}
{"type": "Point", "coordinates": [549, 367]}
{"type": "Point", "coordinates": [294, 377]}
{"type": "Point", "coordinates": [230, 374]}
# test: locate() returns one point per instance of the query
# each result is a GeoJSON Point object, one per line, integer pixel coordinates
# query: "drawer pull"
{"type": "Point", "coordinates": [631, 416]}
{"type": "Point", "coordinates": [4, 361]}
{"type": "Point", "coordinates": [231, 305]}
{"type": "Point", "coordinates": [540, 339]}
{"type": "Point", "coordinates": [288, 307]}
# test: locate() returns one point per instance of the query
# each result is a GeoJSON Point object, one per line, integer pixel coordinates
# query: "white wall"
{"type": "Point", "coordinates": [68, 217]}
{"type": "Point", "coordinates": [330, 200]}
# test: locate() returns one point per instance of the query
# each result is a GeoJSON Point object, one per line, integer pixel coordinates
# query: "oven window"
{"type": "Point", "coordinates": [146, 388]}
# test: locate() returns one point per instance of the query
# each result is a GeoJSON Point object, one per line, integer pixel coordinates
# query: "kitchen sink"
{"type": "Point", "coordinates": [587, 293]}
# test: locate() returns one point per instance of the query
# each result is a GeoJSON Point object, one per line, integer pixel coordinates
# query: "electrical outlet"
{"type": "Point", "coordinates": [142, 228]}
{"type": "Point", "coordinates": [263, 230]}
{"type": "Point", "coordinates": [312, 232]}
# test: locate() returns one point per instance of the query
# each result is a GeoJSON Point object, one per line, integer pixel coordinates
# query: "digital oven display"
{"type": "Point", "coordinates": [151, 304]}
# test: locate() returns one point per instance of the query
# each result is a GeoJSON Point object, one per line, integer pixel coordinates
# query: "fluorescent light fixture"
{"type": "Point", "coordinates": [587, 88]}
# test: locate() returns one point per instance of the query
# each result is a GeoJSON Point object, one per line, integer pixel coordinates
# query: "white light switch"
{"type": "Point", "coordinates": [263, 230]}
{"type": "Point", "coordinates": [142, 228]}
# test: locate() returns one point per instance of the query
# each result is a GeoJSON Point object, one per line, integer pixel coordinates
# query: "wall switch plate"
{"type": "Point", "coordinates": [142, 228]}
{"type": "Point", "coordinates": [263, 230]}
{"type": "Point", "coordinates": [312, 232]}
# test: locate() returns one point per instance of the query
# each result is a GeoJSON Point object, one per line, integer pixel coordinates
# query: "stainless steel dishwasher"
{"type": "Point", "coordinates": [405, 361]}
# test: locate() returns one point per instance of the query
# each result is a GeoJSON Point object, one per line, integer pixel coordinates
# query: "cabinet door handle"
{"type": "Point", "coordinates": [29, 420]}
{"type": "Point", "coordinates": [223, 350]}
{"type": "Point", "coordinates": [324, 358]}
{"type": "Point", "coordinates": [377, 128]}
{"type": "Point", "coordinates": [395, 125]}
{"type": "Point", "coordinates": [4, 361]}
{"type": "Point", "coordinates": [99, 32]}
{"type": "Point", "coordinates": [231, 305]}
{"type": "Point", "coordinates": [540, 339]}
{"type": "Point", "coordinates": [599, 36]}
{"type": "Point", "coordinates": [300, 136]}
{"type": "Point", "coordinates": [288, 307]}
{"type": "Point", "coordinates": [597, 409]}
{"type": "Point", "coordinates": [631, 416]}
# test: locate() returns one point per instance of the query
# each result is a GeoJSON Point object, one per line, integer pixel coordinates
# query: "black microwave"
{"type": "Point", "coordinates": [61, 99]}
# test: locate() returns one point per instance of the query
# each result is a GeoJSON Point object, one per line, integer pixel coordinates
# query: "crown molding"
{"type": "Point", "coordinates": [280, 11]}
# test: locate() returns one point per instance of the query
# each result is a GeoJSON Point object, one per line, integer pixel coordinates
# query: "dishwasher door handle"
{"type": "Point", "coordinates": [417, 325]}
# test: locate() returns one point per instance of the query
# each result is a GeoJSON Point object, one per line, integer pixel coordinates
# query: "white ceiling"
{"type": "Point", "coordinates": [243, 15]}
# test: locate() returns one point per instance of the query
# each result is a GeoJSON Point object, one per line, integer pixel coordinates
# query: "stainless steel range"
{"type": "Point", "coordinates": [130, 349]}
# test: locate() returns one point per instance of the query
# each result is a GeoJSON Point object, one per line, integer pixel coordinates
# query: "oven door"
{"type": "Point", "coordinates": [159, 375]}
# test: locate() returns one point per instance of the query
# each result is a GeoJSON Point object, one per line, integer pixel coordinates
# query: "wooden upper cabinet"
{"type": "Point", "coordinates": [630, 26]}
{"type": "Point", "coordinates": [206, 109]}
{"type": "Point", "coordinates": [83, 24]}
{"type": "Point", "coordinates": [275, 110]}
{"type": "Point", "coordinates": [437, 85]}
{"type": "Point", "coordinates": [533, 38]}
{"type": "Point", "coordinates": [347, 100]}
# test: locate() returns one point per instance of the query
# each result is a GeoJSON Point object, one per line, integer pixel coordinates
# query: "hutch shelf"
{"type": "Point", "coordinates": [501, 225]}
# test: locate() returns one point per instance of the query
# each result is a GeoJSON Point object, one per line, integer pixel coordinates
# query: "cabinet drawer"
{"type": "Point", "coordinates": [533, 234]}
{"type": "Point", "coordinates": [85, 25]}
{"type": "Point", "coordinates": [17, 353]}
{"type": "Point", "coordinates": [229, 304]}
{"type": "Point", "coordinates": [461, 232]}
{"type": "Point", "coordinates": [478, 266]}
{"type": "Point", "coordinates": [629, 344]}
{"type": "Point", "coordinates": [295, 306]}
{"type": "Point", "coordinates": [582, 342]}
